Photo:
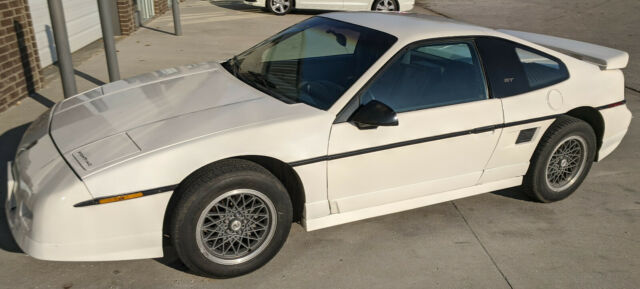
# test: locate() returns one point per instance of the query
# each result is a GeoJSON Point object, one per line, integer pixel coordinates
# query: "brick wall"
{"type": "Point", "coordinates": [19, 61]}
{"type": "Point", "coordinates": [160, 7]}
{"type": "Point", "coordinates": [126, 12]}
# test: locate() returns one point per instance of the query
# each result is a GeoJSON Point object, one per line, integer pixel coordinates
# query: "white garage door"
{"type": "Point", "coordinates": [83, 26]}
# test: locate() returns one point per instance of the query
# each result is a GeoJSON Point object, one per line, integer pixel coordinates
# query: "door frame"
{"type": "Point", "coordinates": [350, 107]}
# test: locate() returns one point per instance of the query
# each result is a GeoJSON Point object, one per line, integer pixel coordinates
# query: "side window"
{"type": "Point", "coordinates": [430, 76]}
{"type": "Point", "coordinates": [541, 71]}
{"type": "Point", "coordinates": [514, 69]}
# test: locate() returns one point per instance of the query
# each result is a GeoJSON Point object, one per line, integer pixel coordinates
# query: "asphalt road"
{"type": "Point", "coordinates": [495, 240]}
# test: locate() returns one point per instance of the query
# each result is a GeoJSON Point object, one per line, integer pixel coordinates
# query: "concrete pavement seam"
{"type": "Point", "coordinates": [426, 7]}
{"type": "Point", "coordinates": [632, 89]}
{"type": "Point", "coordinates": [482, 245]}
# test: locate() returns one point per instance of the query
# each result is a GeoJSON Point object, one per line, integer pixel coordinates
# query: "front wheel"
{"type": "Point", "coordinates": [230, 219]}
{"type": "Point", "coordinates": [385, 5]}
{"type": "Point", "coordinates": [280, 7]}
{"type": "Point", "coordinates": [561, 161]}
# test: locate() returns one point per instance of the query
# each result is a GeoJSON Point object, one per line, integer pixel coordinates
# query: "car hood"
{"type": "Point", "coordinates": [149, 98]}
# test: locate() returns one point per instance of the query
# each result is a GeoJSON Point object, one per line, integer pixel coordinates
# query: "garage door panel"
{"type": "Point", "coordinates": [83, 25]}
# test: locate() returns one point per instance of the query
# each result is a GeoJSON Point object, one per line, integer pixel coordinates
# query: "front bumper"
{"type": "Point", "coordinates": [45, 224]}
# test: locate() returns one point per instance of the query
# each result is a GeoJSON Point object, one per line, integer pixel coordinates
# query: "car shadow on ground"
{"type": "Point", "coordinates": [233, 5]}
{"type": "Point", "coordinates": [513, 193]}
{"type": "Point", "coordinates": [170, 257]}
{"type": "Point", "coordinates": [9, 141]}
{"type": "Point", "coordinates": [239, 6]}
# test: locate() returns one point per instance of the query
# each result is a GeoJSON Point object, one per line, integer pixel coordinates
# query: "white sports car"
{"type": "Point", "coordinates": [339, 118]}
{"type": "Point", "coordinates": [281, 7]}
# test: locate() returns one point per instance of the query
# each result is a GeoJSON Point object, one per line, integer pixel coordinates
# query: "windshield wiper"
{"type": "Point", "coordinates": [262, 78]}
{"type": "Point", "coordinates": [261, 83]}
{"type": "Point", "coordinates": [235, 66]}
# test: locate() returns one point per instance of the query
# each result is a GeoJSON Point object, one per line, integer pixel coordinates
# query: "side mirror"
{"type": "Point", "coordinates": [374, 114]}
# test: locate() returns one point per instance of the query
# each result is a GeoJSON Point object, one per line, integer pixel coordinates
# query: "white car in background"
{"type": "Point", "coordinates": [339, 118]}
{"type": "Point", "coordinates": [281, 7]}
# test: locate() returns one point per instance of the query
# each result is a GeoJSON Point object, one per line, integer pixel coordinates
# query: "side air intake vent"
{"type": "Point", "coordinates": [526, 135]}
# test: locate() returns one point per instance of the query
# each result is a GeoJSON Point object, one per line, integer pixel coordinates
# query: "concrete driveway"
{"type": "Point", "coordinates": [495, 240]}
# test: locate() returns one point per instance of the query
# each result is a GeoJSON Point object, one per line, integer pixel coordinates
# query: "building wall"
{"type": "Point", "coordinates": [160, 6]}
{"type": "Point", "coordinates": [126, 13]}
{"type": "Point", "coordinates": [19, 61]}
{"type": "Point", "coordinates": [27, 46]}
{"type": "Point", "coordinates": [83, 26]}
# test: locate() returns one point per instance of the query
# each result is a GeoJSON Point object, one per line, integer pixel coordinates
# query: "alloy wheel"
{"type": "Point", "coordinates": [236, 226]}
{"type": "Point", "coordinates": [280, 6]}
{"type": "Point", "coordinates": [386, 5]}
{"type": "Point", "coordinates": [566, 163]}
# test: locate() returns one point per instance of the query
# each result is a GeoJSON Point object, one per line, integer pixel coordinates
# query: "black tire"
{"type": "Point", "coordinates": [385, 3]}
{"type": "Point", "coordinates": [566, 130]}
{"type": "Point", "coordinates": [287, 6]}
{"type": "Point", "coordinates": [210, 183]}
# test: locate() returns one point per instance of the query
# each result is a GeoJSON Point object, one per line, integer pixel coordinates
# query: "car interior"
{"type": "Point", "coordinates": [419, 80]}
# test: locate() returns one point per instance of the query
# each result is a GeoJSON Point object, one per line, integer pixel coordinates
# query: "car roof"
{"type": "Point", "coordinates": [411, 26]}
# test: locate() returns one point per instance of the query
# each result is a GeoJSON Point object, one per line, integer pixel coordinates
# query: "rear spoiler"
{"type": "Point", "coordinates": [606, 58]}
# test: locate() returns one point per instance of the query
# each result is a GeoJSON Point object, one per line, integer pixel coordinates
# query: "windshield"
{"type": "Point", "coordinates": [313, 62]}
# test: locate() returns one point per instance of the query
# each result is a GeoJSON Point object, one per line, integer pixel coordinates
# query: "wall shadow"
{"type": "Point", "coordinates": [26, 67]}
{"type": "Point", "coordinates": [158, 30]}
{"type": "Point", "coordinates": [54, 59]}
{"type": "Point", "coordinates": [41, 99]}
{"type": "Point", "coordinates": [88, 77]}
{"type": "Point", "coordinates": [52, 43]}
{"type": "Point", "coordinates": [9, 141]}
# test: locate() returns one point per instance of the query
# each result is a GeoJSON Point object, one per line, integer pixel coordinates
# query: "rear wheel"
{"type": "Point", "coordinates": [280, 7]}
{"type": "Point", "coordinates": [561, 161]}
{"type": "Point", "coordinates": [385, 5]}
{"type": "Point", "coordinates": [230, 219]}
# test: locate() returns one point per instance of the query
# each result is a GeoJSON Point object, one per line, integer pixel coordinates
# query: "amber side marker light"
{"type": "Point", "coordinates": [124, 197]}
{"type": "Point", "coordinates": [120, 198]}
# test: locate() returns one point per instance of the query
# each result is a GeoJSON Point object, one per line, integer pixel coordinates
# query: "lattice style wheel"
{"type": "Point", "coordinates": [229, 218]}
{"type": "Point", "coordinates": [561, 160]}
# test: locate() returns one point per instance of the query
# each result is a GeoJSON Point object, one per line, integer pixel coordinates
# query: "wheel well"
{"type": "Point", "coordinates": [293, 4]}
{"type": "Point", "coordinates": [373, 4]}
{"type": "Point", "coordinates": [593, 117]}
{"type": "Point", "coordinates": [284, 172]}
{"type": "Point", "coordinates": [289, 178]}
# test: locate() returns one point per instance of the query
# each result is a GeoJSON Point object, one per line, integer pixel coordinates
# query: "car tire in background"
{"type": "Point", "coordinates": [385, 5]}
{"type": "Point", "coordinates": [280, 7]}
{"type": "Point", "coordinates": [229, 218]}
{"type": "Point", "coordinates": [561, 161]}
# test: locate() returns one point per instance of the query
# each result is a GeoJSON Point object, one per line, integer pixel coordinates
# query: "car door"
{"type": "Point", "coordinates": [320, 4]}
{"type": "Point", "coordinates": [447, 129]}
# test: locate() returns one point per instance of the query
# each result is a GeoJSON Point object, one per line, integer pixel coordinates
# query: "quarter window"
{"type": "Point", "coordinates": [430, 76]}
{"type": "Point", "coordinates": [541, 71]}
{"type": "Point", "coordinates": [514, 69]}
